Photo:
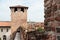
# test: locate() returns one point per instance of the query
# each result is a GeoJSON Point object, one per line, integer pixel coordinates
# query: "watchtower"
{"type": "Point", "coordinates": [18, 17]}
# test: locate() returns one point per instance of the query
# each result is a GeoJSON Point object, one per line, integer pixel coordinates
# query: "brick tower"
{"type": "Point", "coordinates": [18, 19]}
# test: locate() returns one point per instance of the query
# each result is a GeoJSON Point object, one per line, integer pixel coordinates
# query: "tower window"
{"type": "Point", "coordinates": [15, 10]}
{"type": "Point", "coordinates": [22, 9]}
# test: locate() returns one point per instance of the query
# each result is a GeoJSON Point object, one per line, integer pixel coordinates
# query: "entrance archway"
{"type": "Point", "coordinates": [4, 37]}
{"type": "Point", "coordinates": [19, 34]}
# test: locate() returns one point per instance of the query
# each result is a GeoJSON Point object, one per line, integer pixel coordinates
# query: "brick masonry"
{"type": "Point", "coordinates": [52, 18]}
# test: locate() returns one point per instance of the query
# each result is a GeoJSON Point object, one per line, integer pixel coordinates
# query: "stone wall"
{"type": "Point", "coordinates": [52, 16]}
{"type": "Point", "coordinates": [35, 35]}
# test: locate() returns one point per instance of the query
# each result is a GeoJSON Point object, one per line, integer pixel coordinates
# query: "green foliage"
{"type": "Point", "coordinates": [0, 38]}
{"type": "Point", "coordinates": [40, 29]}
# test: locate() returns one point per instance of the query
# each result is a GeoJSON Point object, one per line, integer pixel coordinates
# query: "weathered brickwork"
{"type": "Point", "coordinates": [52, 16]}
{"type": "Point", "coordinates": [18, 17]}
{"type": "Point", "coordinates": [18, 20]}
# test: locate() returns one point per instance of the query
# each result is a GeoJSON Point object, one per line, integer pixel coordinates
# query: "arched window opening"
{"type": "Point", "coordinates": [4, 37]}
{"type": "Point", "coordinates": [18, 30]}
{"type": "Point", "coordinates": [1, 30]}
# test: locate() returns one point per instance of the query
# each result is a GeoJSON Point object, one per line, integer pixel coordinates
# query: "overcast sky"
{"type": "Point", "coordinates": [35, 11]}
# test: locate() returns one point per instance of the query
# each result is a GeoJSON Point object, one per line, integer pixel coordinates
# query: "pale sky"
{"type": "Point", "coordinates": [35, 11]}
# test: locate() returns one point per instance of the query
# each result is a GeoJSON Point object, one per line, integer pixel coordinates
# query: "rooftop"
{"type": "Point", "coordinates": [4, 23]}
{"type": "Point", "coordinates": [19, 6]}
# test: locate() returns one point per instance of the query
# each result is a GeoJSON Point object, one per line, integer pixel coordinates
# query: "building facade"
{"type": "Point", "coordinates": [52, 17]}
{"type": "Point", "coordinates": [5, 30]}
